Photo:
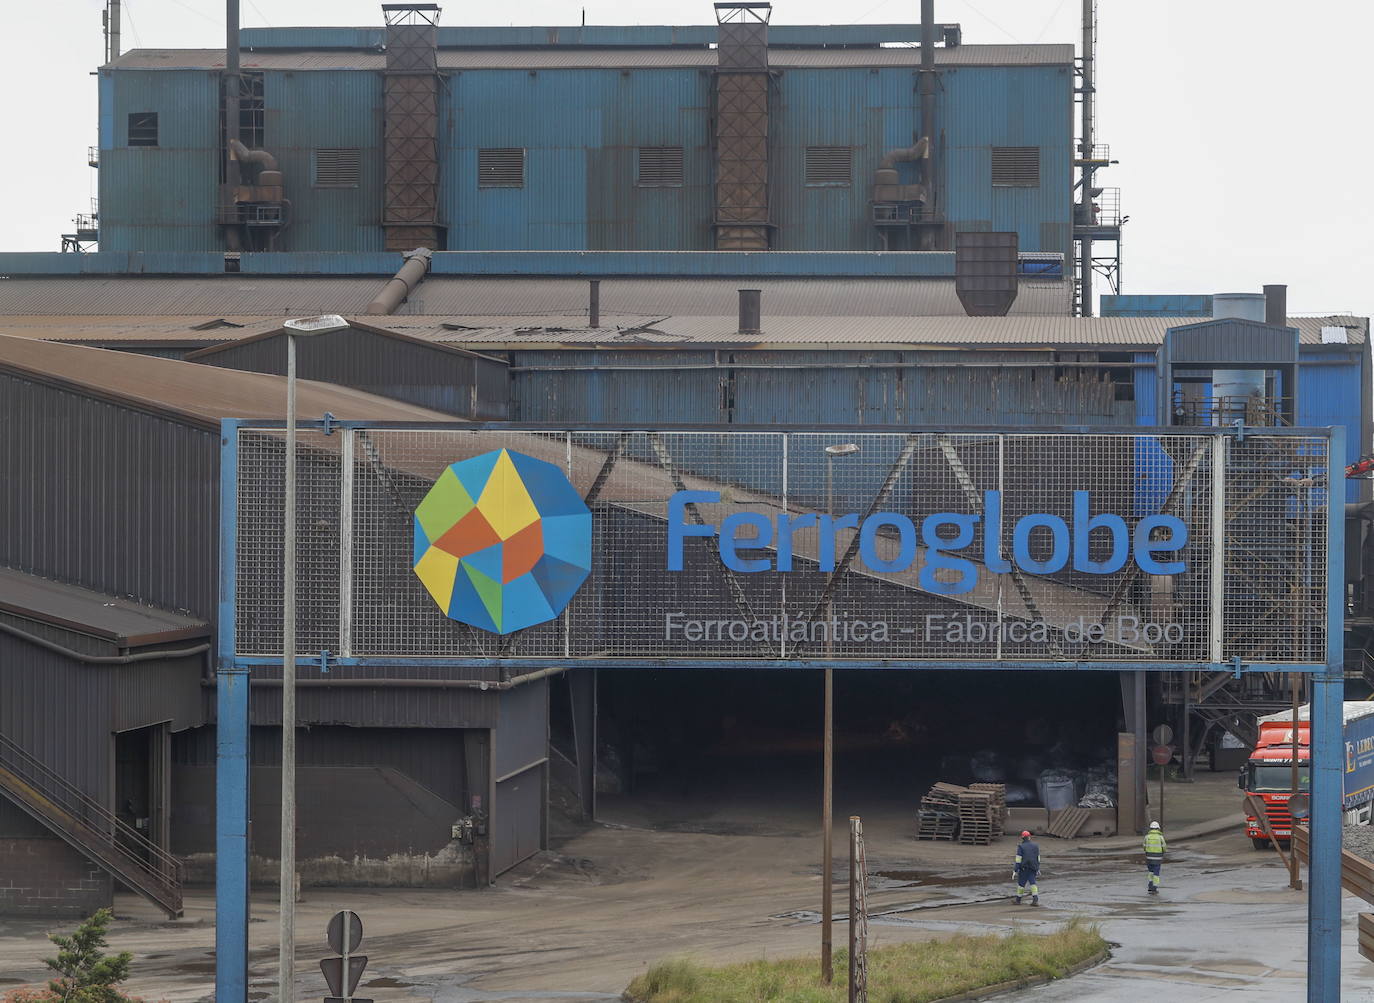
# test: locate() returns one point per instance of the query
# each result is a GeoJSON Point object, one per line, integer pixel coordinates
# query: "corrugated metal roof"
{"type": "Point", "coordinates": [230, 296]}
{"type": "Point", "coordinates": [203, 394]}
{"type": "Point", "coordinates": [783, 331]}
{"type": "Point", "coordinates": [718, 296]}
{"type": "Point", "coordinates": [574, 58]}
{"type": "Point", "coordinates": [138, 329]}
{"type": "Point", "coordinates": [208, 297]}
{"type": "Point", "coordinates": [122, 621]}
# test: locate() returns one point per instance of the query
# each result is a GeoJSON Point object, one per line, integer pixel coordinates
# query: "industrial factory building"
{"type": "Point", "coordinates": [660, 259]}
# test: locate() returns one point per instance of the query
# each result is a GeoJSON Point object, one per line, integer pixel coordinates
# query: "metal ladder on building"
{"type": "Point", "coordinates": [90, 828]}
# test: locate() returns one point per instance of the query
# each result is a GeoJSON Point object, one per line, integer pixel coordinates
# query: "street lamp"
{"type": "Point", "coordinates": [286, 956]}
{"type": "Point", "coordinates": [828, 756]}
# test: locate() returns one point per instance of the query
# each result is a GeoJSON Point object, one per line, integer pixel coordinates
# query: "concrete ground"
{"type": "Point", "coordinates": [672, 876]}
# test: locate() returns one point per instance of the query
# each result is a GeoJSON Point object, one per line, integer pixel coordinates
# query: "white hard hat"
{"type": "Point", "coordinates": [1154, 825]}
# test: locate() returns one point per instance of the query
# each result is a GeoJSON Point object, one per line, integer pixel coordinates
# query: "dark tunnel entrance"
{"type": "Point", "coordinates": [741, 751]}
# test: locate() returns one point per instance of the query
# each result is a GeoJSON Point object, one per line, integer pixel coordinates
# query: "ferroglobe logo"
{"type": "Point", "coordinates": [1154, 536]}
{"type": "Point", "coordinates": [502, 541]}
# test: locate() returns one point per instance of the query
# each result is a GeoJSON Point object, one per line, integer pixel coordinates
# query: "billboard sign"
{"type": "Point", "coordinates": [881, 547]}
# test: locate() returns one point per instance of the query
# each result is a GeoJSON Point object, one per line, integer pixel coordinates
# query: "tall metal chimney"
{"type": "Point", "coordinates": [742, 220]}
{"type": "Point", "coordinates": [111, 18]}
{"type": "Point", "coordinates": [410, 132]}
{"type": "Point", "coordinates": [231, 90]}
{"type": "Point", "coordinates": [928, 234]}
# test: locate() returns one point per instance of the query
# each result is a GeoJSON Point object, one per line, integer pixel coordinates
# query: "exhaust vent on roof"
{"type": "Point", "coordinates": [501, 168]}
{"type": "Point", "coordinates": [336, 168]}
{"type": "Point", "coordinates": [829, 165]}
{"type": "Point", "coordinates": [1016, 166]}
{"type": "Point", "coordinates": [660, 166]}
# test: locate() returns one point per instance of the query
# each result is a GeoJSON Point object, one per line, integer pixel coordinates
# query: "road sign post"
{"type": "Point", "coordinates": [344, 933]}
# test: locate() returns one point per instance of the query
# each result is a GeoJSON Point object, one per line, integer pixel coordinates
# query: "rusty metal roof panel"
{"type": "Point", "coordinates": [123, 621]}
{"type": "Point", "coordinates": [199, 394]}
{"type": "Point", "coordinates": [616, 58]}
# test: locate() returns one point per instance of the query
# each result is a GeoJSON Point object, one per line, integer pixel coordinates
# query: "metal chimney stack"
{"type": "Point", "coordinates": [410, 130]}
{"type": "Point", "coordinates": [741, 92]}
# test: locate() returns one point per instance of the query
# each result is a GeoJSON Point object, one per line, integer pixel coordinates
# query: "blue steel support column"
{"type": "Point", "coordinates": [1328, 695]}
{"type": "Point", "coordinates": [231, 752]}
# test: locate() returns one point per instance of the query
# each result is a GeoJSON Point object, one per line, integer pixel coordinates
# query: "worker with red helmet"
{"type": "Point", "coordinates": [1026, 869]}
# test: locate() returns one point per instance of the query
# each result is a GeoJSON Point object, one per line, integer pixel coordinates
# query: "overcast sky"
{"type": "Point", "coordinates": [1241, 127]}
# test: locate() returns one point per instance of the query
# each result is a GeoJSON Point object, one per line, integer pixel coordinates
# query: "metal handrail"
{"type": "Point", "coordinates": [90, 816]}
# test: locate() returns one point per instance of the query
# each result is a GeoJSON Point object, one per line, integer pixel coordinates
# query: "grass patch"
{"type": "Point", "coordinates": [901, 973]}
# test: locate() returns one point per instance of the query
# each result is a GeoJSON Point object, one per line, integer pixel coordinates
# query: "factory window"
{"type": "Point", "coordinates": [1016, 167]}
{"type": "Point", "coordinates": [660, 166]}
{"type": "Point", "coordinates": [337, 168]}
{"type": "Point", "coordinates": [251, 110]}
{"type": "Point", "coordinates": [501, 168]}
{"type": "Point", "coordinates": [143, 128]}
{"type": "Point", "coordinates": [829, 165]}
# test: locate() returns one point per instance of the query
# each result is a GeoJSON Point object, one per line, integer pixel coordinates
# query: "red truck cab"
{"type": "Point", "coordinates": [1268, 774]}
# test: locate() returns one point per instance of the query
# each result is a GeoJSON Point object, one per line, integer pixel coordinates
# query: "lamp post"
{"type": "Point", "coordinates": [286, 951]}
{"type": "Point", "coordinates": [828, 755]}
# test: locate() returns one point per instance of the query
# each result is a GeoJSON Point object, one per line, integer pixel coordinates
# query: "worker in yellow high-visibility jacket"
{"type": "Point", "coordinates": [1154, 855]}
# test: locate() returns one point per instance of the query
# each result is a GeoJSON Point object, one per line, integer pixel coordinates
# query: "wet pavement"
{"type": "Point", "coordinates": [579, 924]}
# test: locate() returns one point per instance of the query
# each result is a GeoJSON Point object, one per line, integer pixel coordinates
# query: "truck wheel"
{"type": "Point", "coordinates": [1259, 843]}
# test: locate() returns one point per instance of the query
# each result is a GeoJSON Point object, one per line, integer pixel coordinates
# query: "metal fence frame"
{"type": "Point", "coordinates": [232, 898]}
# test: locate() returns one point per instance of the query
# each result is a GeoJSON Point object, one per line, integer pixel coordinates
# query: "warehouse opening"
{"type": "Point", "coordinates": [741, 750]}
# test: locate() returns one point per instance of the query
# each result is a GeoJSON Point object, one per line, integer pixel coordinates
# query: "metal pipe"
{"type": "Point", "coordinates": [85, 659]}
{"type": "Point", "coordinates": [1294, 881]}
{"type": "Point", "coordinates": [594, 303]}
{"type": "Point", "coordinates": [1276, 305]}
{"type": "Point", "coordinates": [927, 69]}
{"type": "Point", "coordinates": [1085, 151]}
{"type": "Point", "coordinates": [402, 284]}
{"type": "Point", "coordinates": [927, 234]}
{"type": "Point", "coordinates": [113, 52]}
{"type": "Point", "coordinates": [286, 952]}
{"type": "Point", "coordinates": [750, 301]}
{"type": "Point", "coordinates": [231, 92]}
{"type": "Point", "coordinates": [264, 160]}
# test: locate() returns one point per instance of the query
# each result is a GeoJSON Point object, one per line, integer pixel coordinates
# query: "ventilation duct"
{"type": "Point", "coordinates": [402, 284]}
{"type": "Point", "coordinates": [750, 311]}
{"type": "Point", "coordinates": [985, 272]}
{"type": "Point", "coordinates": [742, 220]}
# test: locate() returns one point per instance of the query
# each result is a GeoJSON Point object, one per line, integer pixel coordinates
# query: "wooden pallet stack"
{"type": "Point", "coordinates": [978, 819]}
{"type": "Point", "coordinates": [998, 793]}
{"type": "Point", "coordinates": [938, 816]}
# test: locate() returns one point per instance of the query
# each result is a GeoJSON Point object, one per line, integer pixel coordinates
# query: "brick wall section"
{"type": "Point", "coordinates": [47, 878]}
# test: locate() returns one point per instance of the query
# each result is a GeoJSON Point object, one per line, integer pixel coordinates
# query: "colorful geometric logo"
{"type": "Point", "coordinates": [502, 541]}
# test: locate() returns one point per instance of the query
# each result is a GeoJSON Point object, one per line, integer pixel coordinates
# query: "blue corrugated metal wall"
{"type": "Point", "coordinates": [581, 129]}
{"type": "Point", "coordinates": [1330, 395]}
{"type": "Point", "coordinates": [1023, 106]}
{"type": "Point", "coordinates": [327, 110]}
{"type": "Point", "coordinates": [161, 198]}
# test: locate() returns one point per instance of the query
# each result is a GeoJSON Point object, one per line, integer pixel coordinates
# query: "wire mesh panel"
{"type": "Point", "coordinates": [800, 546]}
{"type": "Point", "coordinates": [260, 552]}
